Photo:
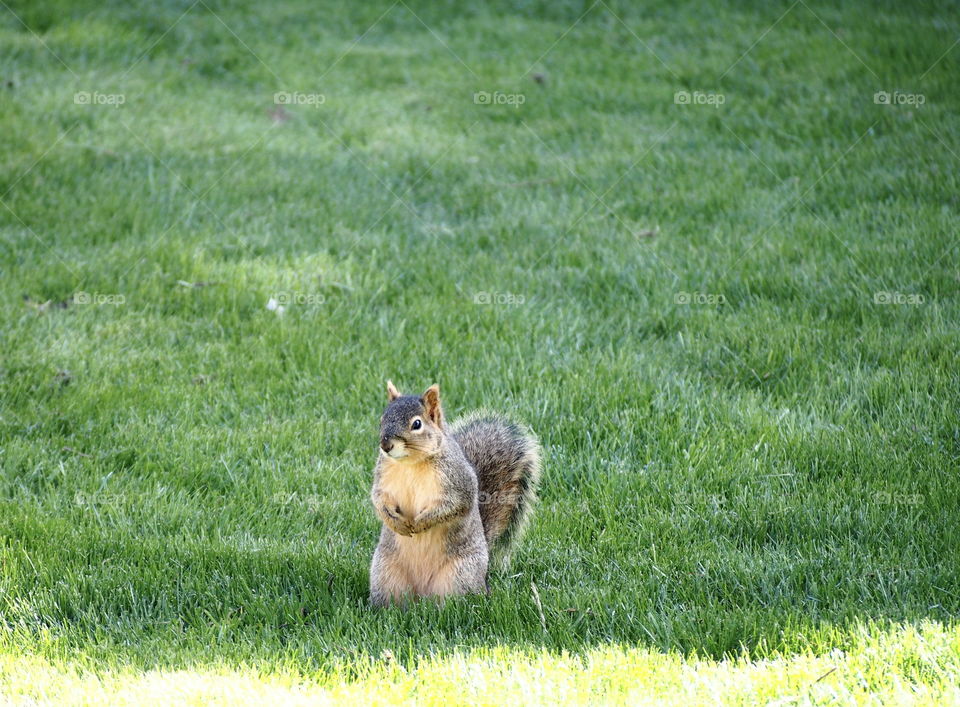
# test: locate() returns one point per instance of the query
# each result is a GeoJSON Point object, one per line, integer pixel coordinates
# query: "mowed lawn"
{"type": "Point", "coordinates": [708, 253]}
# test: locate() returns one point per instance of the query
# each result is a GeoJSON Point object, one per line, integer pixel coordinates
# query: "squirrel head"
{"type": "Point", "coordinates": [411, 427]}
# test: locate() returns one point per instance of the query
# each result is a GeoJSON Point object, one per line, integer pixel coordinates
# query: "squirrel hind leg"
{"type": "Point", "coordinates": [467, 574]}
{"type": "Point", "coordinates": [388, 582]}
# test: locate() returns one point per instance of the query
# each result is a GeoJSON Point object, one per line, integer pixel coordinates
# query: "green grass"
{"type": "Point", "coordinates": [750, 454]}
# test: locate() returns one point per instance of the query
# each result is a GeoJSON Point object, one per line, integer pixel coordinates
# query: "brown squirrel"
{"type": "Point", "coordinates": [451, 498]}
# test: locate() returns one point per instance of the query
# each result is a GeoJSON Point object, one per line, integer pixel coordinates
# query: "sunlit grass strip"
{"type": "Point", "coordinates": [901, 665]}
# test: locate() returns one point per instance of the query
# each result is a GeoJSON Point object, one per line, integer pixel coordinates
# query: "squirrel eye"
{"type": "Point", "coordinates": [416, 424]}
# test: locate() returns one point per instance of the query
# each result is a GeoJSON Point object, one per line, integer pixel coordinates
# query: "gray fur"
{"type": "Point", "coordinates": [488, 469]}
{"type": "Point", "coordinates": [394, 421]}
{"type": "Point", "coordinates": [506, 458]}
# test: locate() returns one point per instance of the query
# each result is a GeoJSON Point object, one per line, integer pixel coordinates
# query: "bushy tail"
{"type": "Point", "coordinates": [507, 460]}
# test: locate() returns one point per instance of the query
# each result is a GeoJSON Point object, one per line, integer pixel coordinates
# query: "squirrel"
{"type": "Point", "coordinates": [452, 498]}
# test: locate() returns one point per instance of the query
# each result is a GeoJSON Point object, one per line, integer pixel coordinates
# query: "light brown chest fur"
{"type": "Point", "coordinates": [422, 558]}
{"type": "Point", "coordinates": [414, 486]}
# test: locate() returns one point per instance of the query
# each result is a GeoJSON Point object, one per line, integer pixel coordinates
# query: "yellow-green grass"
{"type": "Point", "coordinates": [902, 666]}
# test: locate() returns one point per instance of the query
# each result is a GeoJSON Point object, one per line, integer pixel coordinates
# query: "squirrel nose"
{"type": "Point", "coordinates": [386, 445]}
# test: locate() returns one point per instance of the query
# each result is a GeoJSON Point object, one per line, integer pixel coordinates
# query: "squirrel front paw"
{"type": "Point", "coordinates": [395, 521]}
{"type": "Point", "coordinates": [422, 521]}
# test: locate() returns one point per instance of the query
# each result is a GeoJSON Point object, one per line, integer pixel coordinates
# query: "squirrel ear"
{"type": "Point", "coordinates": [431, 401]}
{"type": "Point", "coordinates": [392, 392]}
